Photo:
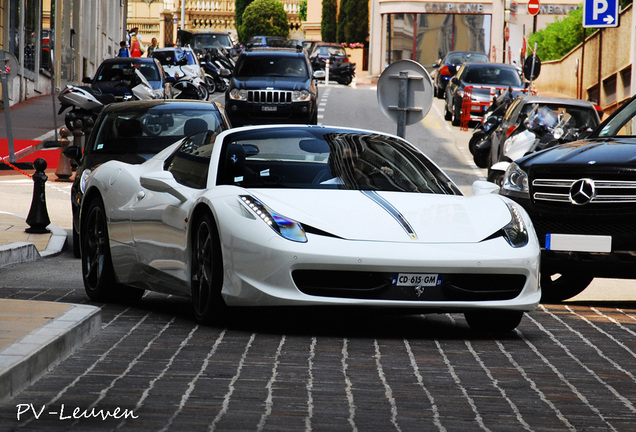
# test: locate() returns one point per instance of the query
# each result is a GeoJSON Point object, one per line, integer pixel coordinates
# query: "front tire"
{"type": "Point", "coordinates": [447, 114]}
{"type": "Point", "coordinates": [97, 265]}
{"type": "Point", "coordinates": [493, 321]}
{"type": "Point", "coordinates": [207, 272]}
{"type": "Point", "coordinates": [556, 287]}
{"type": "Point", "coordinates": [457, 115]}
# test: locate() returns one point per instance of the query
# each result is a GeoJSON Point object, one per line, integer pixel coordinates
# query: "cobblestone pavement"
{"type": "Point", "coordinates": [567, 367]}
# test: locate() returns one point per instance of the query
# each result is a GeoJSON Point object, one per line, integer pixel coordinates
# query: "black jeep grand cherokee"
{"type": "Point", "coordinates": [272, 86]}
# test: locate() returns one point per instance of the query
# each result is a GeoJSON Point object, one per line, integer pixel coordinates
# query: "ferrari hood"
{"type": "Point", "coordinates": [391, 216]}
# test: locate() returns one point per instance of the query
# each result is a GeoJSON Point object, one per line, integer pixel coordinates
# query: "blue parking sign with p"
{"type": "Point", "coordinates": [600, 13]}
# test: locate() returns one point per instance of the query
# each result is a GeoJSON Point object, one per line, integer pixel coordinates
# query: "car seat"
{"type": "Point", "coordinates": [194, 125]}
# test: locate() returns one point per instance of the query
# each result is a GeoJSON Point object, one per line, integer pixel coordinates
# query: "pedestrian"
{"type": "Point", "coordinates": [153, 45]}
{"type": "Point", "coordinates": [123, 50]}
{"type": "Point", "coordinates": [136, 49]}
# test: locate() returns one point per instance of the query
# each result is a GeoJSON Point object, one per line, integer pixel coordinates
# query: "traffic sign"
{"type": "Point", "coordinates": [534, 7]}
{"type": "Point", "coordinates": [405, 93]}
{"type": "Point", "coordinates": [507, 33]}
{"type": "Point", "coordinates": [600, 13]}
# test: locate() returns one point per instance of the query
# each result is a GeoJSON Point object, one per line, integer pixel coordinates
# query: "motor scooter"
{"type": "Point", "coordinates": [480, 143]}
{"type": "Point", "coordinates": [189, 82]}
{"type": "Point", "coordinates": [85, 103]}
{"type": "Point", "coordinates": [543, 128]}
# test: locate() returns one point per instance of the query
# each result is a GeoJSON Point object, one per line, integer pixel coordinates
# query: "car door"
{"type": "Point", "coordinates": [159, 219]}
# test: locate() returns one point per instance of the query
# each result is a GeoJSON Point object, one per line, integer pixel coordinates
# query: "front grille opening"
{"type": "Point", "coordinates": [377, 285]}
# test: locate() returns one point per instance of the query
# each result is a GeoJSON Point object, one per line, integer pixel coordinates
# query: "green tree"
{"type": "Point", "coordinates": [559, 37]}
{"type": "Point", "coordinates": [240, 6]}
{"type": "Point", "coordinates": [328, 29]}
{"type": "Point", "coordinates": [342, 21]}
{"type": "Point", "coordinates": [266, 18]}
{"type": "Point", "coordinates": [357, 20]}
{"type": "Point", "coordinates": [302, 10]}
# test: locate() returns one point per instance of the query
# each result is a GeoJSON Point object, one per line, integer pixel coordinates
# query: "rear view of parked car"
{"type": "Point", "coordinates": [483, 80]}
{"type": "Point", "coordinates": [446, 68]}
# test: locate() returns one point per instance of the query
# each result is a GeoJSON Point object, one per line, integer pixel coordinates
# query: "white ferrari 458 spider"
{"type": "Point", "coordinates": [306, 215]}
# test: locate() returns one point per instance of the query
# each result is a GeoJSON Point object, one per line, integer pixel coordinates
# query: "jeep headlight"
{"type": "Point", "coordinates": [240, 95]}
{"type": "Point", "coordinates": [515, 182]}
{"type": "Point", "coordinates": [300, 96]}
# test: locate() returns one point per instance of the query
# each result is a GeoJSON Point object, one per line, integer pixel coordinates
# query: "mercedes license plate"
{"type": "Point", "coordinates": [578, 243]}
{"type": "Point", "coordinates": [416, 279]}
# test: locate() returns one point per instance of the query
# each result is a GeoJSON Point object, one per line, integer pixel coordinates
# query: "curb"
{"type": "Point", "coordinates": [26, 360]}
{"type": "Point", "coordinates": [22, 252]}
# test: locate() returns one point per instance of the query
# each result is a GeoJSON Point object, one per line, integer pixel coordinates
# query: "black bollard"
{"type": "Point", "coordinates": [38, 218]}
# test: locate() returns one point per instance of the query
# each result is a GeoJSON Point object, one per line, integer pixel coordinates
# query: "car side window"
{"type": "Point", "coordinates": [191, 162]}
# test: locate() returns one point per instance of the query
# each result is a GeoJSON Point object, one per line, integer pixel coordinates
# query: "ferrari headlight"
{"type": "Point", "coordinates": [515, 182]}
{"type": "Point", "coordinates": [86, 174]}
{"type": "Point", "coordinates": [300, 96]}
{"type": "Point", "coordinates": [287, 228]}
{"type": "Point", "coordinates": [237, 94]}
{"type": "Point", "coordinates": [515, 233]}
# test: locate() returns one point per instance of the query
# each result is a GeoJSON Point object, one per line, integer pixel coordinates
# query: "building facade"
{"type": "Point", "coordinates": [58, 41]}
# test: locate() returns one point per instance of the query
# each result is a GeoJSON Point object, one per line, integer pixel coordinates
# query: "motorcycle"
{"type": "Point", "coordinates": [85, 103]}
{"type": "Point", "coordinates": [215, 78]}
{"type": "Point", "coordinates": [543, 128]}
{"type": "Point", "coordinates": [190, 82]}
{"type": "Point", "coordinates": [340, 71]}
{"type": "Point", "coordinates": [480, 143]}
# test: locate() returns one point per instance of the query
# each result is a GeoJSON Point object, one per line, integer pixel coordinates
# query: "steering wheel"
{"type": "Point", "coordinates": [151, 128]}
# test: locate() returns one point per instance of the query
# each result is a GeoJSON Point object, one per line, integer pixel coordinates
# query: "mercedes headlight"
{"type": "Point", "coordinates": [515, 182]}
{"type": "Point", "coordinates": [300, 96]}
{"type": "Point", "coordinates": [515, 232]}
{"type": "Point", "coordinates": [285, 227]}
{"type": "Point", "coordinates": [237, 94]}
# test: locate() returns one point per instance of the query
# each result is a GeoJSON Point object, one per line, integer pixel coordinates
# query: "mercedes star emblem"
{"type": "Point", "coordinates": [582, 191]}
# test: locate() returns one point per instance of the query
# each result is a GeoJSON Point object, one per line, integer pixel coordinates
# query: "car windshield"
{"type": "Point", "coordinates": [211, 41]}
{"type": "Point", "coordinates": [581, 117]}
{"type": "Point", "coordinates": [116, 72]}
{"type": "Point", "coordinates": [459, 58]}
{"type": "Point", "coordinates": [256, 66]}
{"type": "Point", "coordinates": [149, 131]}
{"type": "Point", "coordinates": [172, 57]}
{"type": "Point", "coordinates": [481, 74]}
{"type": "Point", "coordinates": [331, 51]}
{"type": "Point", "coordinates": [622, 124]}
{"type": "Point", "coordinates": [328, 159]}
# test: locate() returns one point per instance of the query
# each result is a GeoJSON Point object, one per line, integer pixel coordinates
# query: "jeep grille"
{"type": "Point", "coordinates": [269, 96]}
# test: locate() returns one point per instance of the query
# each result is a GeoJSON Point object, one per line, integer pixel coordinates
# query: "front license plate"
{"type": "Point", "coordinates": [269, 108]}
{"type": "Point", "coordinates": [416, 279]}
{"type": "Point", "coordinates": [578, 243]}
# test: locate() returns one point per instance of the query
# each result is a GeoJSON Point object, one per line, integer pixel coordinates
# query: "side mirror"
{"type": "Point", "coordinates": [162, 181]}
{"type": "Point", "coordinates": [319, 74]}
{"type": "Point", "coordinates": [481, 187]}
{"type": "Point", "coordinates": [87, 80]}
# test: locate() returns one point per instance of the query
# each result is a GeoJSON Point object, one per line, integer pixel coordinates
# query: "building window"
{"type": "Point", "coordinates": [428, 37]}
{"type": "Point", "coordinates": [609, 88]}
{"type": "Point", "coordinates": [626, 80]}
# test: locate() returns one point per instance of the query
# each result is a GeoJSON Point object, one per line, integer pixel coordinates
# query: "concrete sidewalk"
{"type": "Point", "coordinates": [35, 335]}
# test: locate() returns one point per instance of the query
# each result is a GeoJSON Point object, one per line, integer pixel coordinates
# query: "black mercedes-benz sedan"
{"type": "Point", "coordinates": [581, 197]}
